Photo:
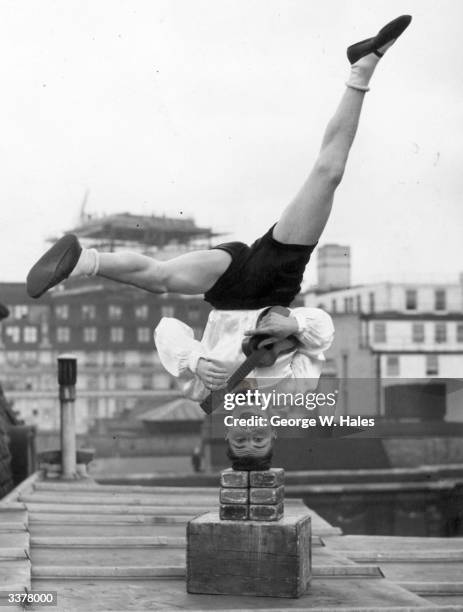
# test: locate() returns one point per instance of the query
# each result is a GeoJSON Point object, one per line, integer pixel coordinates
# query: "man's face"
{"type": "Point", "coordinates": [250, 441]}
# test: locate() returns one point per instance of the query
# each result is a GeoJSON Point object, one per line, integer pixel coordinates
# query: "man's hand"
{"type": "Point", "coordinates": [212, 375]}
{"type": "Point", "coordinates": [275, 325]}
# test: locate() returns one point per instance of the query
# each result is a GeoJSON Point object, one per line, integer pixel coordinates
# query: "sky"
{"type": "Point", "coordinates": [216, 110]}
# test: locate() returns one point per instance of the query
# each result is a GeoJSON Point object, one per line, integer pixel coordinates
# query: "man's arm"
{"type": "Point", "coordinates": [315, 329]}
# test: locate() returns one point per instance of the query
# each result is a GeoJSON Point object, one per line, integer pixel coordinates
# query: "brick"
{"type": "Point", "coordinates": [234, 512]}
{"type": "Point", "coordinates": [249, 557]}
{"type": "Point", "coordinates": [234, 478]}
{"type": "Point", "coordinates": [267, 478]}
{"type": "Point", "coordinates": [266, 495]}
{"type": "Point", "coordinates": [266, 512]}
{"type": "Point", "coordinates": [234, 496]}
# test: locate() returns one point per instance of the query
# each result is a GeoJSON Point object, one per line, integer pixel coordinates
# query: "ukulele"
{"type": "Point", "coordinates": [261, 350]}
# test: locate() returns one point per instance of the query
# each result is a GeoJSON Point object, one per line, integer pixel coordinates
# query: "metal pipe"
{"type": "Point", "coordinates": [67, 377]}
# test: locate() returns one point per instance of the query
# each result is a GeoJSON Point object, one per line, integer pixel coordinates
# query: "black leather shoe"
{"type": "Point", "coordinates": [53, 267]}
{"type": "Point", "coordinates": [390, 32]}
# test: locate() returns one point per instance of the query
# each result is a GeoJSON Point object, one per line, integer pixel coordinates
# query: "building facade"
{"type": "Point", "coordinates": [110, 330]}
{"type": "Point", "coordinates": [396, 333]}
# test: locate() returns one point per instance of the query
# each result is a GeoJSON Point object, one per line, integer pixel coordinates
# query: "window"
{"type": "Point", "coordinates": [20, 311]}
{"type": "Point", "coordinates": [115, 312]}
{"type": "Point", "coordinates": [117, 334]}
{"type": "Point", "coordinates": [88, 312]}
{"type": "Point", "coordinates": [440, 299]}
{"type": "Point", "coordinates": [13, 333]}
{"type": "Point", "coordinates": [121, 382]}
{"type": "Point", "coordinates": [333, 306]}
{"type": "Point", "coordinates": [90, 334]}
{"type": "Point", "coordinates": [440, 332]}
{"type": "Point", "coordinates": [459, 332]}
{"type": "Point", "coordinates": [62, 311]}
{"type": "Point", "coordinates": [432, 365]}
{"type": "Point", "coordinates": [418, 332]}
{"type": "Point", "coordinates": [30, 335]}
{"type": "Point", "coordinates": [92, 408]}
{"type": "Point", "coordinates": [93, 383]}
{"type": "Point", "coordinates": [346, 305]}
{"type": "Point", "coordinates": [13, 358]}
{"type": "Point", "coordinates": [119, 359]}
{"type": "Point", "coordinates": [63, 334]}
{"type": "Point", "coordinates": [31, 357]}
{"type": "Point", "coordinates": [379, 332]}
{"type": "Point", "coordinates": [91, 359]}
{"type": "Point", "coordinates": [410, 299]}
{"type": "Point", "coordinates": [371, 302]}
{"type": "Point", "coordinates": [143, 334]}
{"type": "Point", "coordinates": [167, 311]}
{"type": "Point", "coordinates": [141, 312]}
{"type": "Point", "coordinates": [146, 381]}
{"type": "Point", "coordinates": [392, 365]}
{"type": "Point", "coordinates": [359, 303]}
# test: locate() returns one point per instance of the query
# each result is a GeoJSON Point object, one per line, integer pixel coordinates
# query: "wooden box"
{"type": "Point", "coordinates": [249, 557]}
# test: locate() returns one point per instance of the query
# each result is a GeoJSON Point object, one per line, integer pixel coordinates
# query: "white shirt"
{"type": "Point", "coordinates": [179, 352]}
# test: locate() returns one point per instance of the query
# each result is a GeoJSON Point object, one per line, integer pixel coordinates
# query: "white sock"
{"type": "Point", "coordinates": [88, 264]}
{"type": "Point", "coordinates": [362, 71]}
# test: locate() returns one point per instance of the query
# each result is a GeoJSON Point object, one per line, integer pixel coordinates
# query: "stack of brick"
{"type": "Point", "coordinates": [255, 496]}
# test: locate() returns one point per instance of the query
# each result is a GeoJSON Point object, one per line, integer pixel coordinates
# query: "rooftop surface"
{"type": "Point", "coordinates": [122, 547]}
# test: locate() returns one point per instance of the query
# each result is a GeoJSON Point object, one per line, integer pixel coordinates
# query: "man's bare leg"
{"type": "Point", "coordinates": [192, 273]}
{"type": "Point", "coordinates": [304, 220]}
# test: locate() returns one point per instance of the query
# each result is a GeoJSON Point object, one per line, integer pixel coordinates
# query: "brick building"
{"type": "Point", "coordinates": [392, 332]}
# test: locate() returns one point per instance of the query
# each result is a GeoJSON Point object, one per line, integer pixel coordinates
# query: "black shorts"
{"type": "Point", "coordinates": [267, 273]}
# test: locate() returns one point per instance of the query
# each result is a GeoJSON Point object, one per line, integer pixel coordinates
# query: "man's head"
{"type": "Point", "coordinates": [250, 446]}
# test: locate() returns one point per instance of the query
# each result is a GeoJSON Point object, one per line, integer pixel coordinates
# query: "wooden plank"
{"type": "Point", "coordinates": [356, 571]}
{"type": "Point", "coordinates": [10, 506]}
{"type": "Point", "coordinates": [370, 487]}
{"type": "Point", "coordinates": [104, 569]}
{"type": "Point", "coordinates": [424, 572]}
{"type": "Point", "coordinates": [418, 556]}
{"type": "Point", "coordinates": [111, 509]}
{"type": "Point", "coordinates": [65, 529]}
{"type": "Point", "coordinates": [432, 588]}
{"type": "Point", "coordinates": [127, 489]}
{"type": "Point", "coordinates": [393, 543]}
{"type": "Point", "coordinates": [12, 553]}
{"type": "Point", "coordinates": [204, 501]}
{"type": "Point", "coordinates": [127, 556]}
{"type": "Point", "coordinates": [105, 519]}
{"type": "Point", "coordinates": [9, 527]}
{"type": "Point", "coordinates": [15, 572]}
{"type": "Point", "coordinates": [13, 513]}
{"type": "Point", "coordinates": [16, 539]}
{"type": "Point", "coordinates": [168, 595]}
{"type": "Point", "coordinates": [108, 541]}
{"type": "Point", "coordinates": [96, 571]}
